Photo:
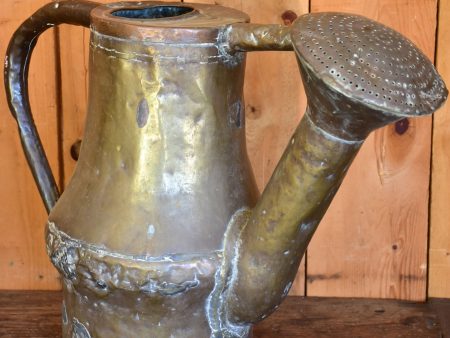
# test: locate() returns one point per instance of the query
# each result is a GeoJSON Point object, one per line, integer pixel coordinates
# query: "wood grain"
{"type": "Point", "coordinates": [37, 315]}
{"type": "Point", "coordinates": [23, 261]}
{"type": "Point", "coordinates": [439, 251]}
{"type": "Point", "coordinates": [30, 314]}
{"type": "Point", "coordinates": [373, 240]}
{"type": "Point", "coordinates": [343, 318]}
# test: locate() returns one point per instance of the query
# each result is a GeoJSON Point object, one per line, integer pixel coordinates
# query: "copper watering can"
{"type": "Point", "coordinates": [160, 232]}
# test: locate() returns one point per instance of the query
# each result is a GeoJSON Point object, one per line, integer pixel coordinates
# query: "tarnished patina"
{"type": "Point", "coordinates": [160, 231]}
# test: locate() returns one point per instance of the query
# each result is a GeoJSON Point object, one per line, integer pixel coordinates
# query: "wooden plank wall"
{"type": "Point", "coordinates": [373, 241]}
{"type": "Point", "coordinates": [23, 261]}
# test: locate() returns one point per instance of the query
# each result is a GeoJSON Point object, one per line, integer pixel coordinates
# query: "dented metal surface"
{"type": "Point", "coordinates": [161, 232]}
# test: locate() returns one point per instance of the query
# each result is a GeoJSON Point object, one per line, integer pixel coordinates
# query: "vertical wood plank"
{"type": "Point", "coordinates": [439, 252]}
{"type": "Point", "coordinates": [23, 261]}
{"type": "Point", "coordinates": [373, 240]}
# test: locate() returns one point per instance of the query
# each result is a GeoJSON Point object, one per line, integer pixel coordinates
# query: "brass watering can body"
{"type": "Point", "coordinates": [160, 231]}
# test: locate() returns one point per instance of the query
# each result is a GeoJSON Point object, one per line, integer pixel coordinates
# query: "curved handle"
{"type": "Point", "coordinates": [17, 63]}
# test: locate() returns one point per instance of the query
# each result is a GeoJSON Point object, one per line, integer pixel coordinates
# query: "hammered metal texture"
{"type": "Point", "coordinates": [159, 233]}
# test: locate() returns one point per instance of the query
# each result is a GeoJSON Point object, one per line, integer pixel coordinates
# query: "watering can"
{"type": "Point", "coordinates": [161, 231]}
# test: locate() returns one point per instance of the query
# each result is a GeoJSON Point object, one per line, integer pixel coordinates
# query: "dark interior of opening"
{"type": "Point", "coordinates": [156, 12]}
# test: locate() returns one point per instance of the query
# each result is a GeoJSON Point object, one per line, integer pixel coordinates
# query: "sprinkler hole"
{"type": "Point", "coordinates": [156, 12]}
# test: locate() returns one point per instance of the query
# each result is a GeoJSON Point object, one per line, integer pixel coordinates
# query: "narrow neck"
{"type": "Point", "coordinates": [167, 109]}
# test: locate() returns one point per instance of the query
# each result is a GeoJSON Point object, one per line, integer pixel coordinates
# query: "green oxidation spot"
{"type": "Point", "coordinates": [142, 113]}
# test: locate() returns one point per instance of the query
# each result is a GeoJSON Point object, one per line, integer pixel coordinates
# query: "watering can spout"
{"type": "Point", "coordinates": [351, 91]}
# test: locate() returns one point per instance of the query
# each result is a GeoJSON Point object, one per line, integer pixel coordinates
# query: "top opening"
{"type": "Point", "coordinates": [156, 12]}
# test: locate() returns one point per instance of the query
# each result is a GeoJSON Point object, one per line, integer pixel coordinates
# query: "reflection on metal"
{"type": "Point", "coordinates": [65, 320]}
{"type": "Point", "coordinates": [161, 231]}
{"type": "Point", "coordinates": [79, 330]}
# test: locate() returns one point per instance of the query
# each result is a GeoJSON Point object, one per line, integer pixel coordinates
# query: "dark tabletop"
{"type": "Point", "coordinates": [37, 314]}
